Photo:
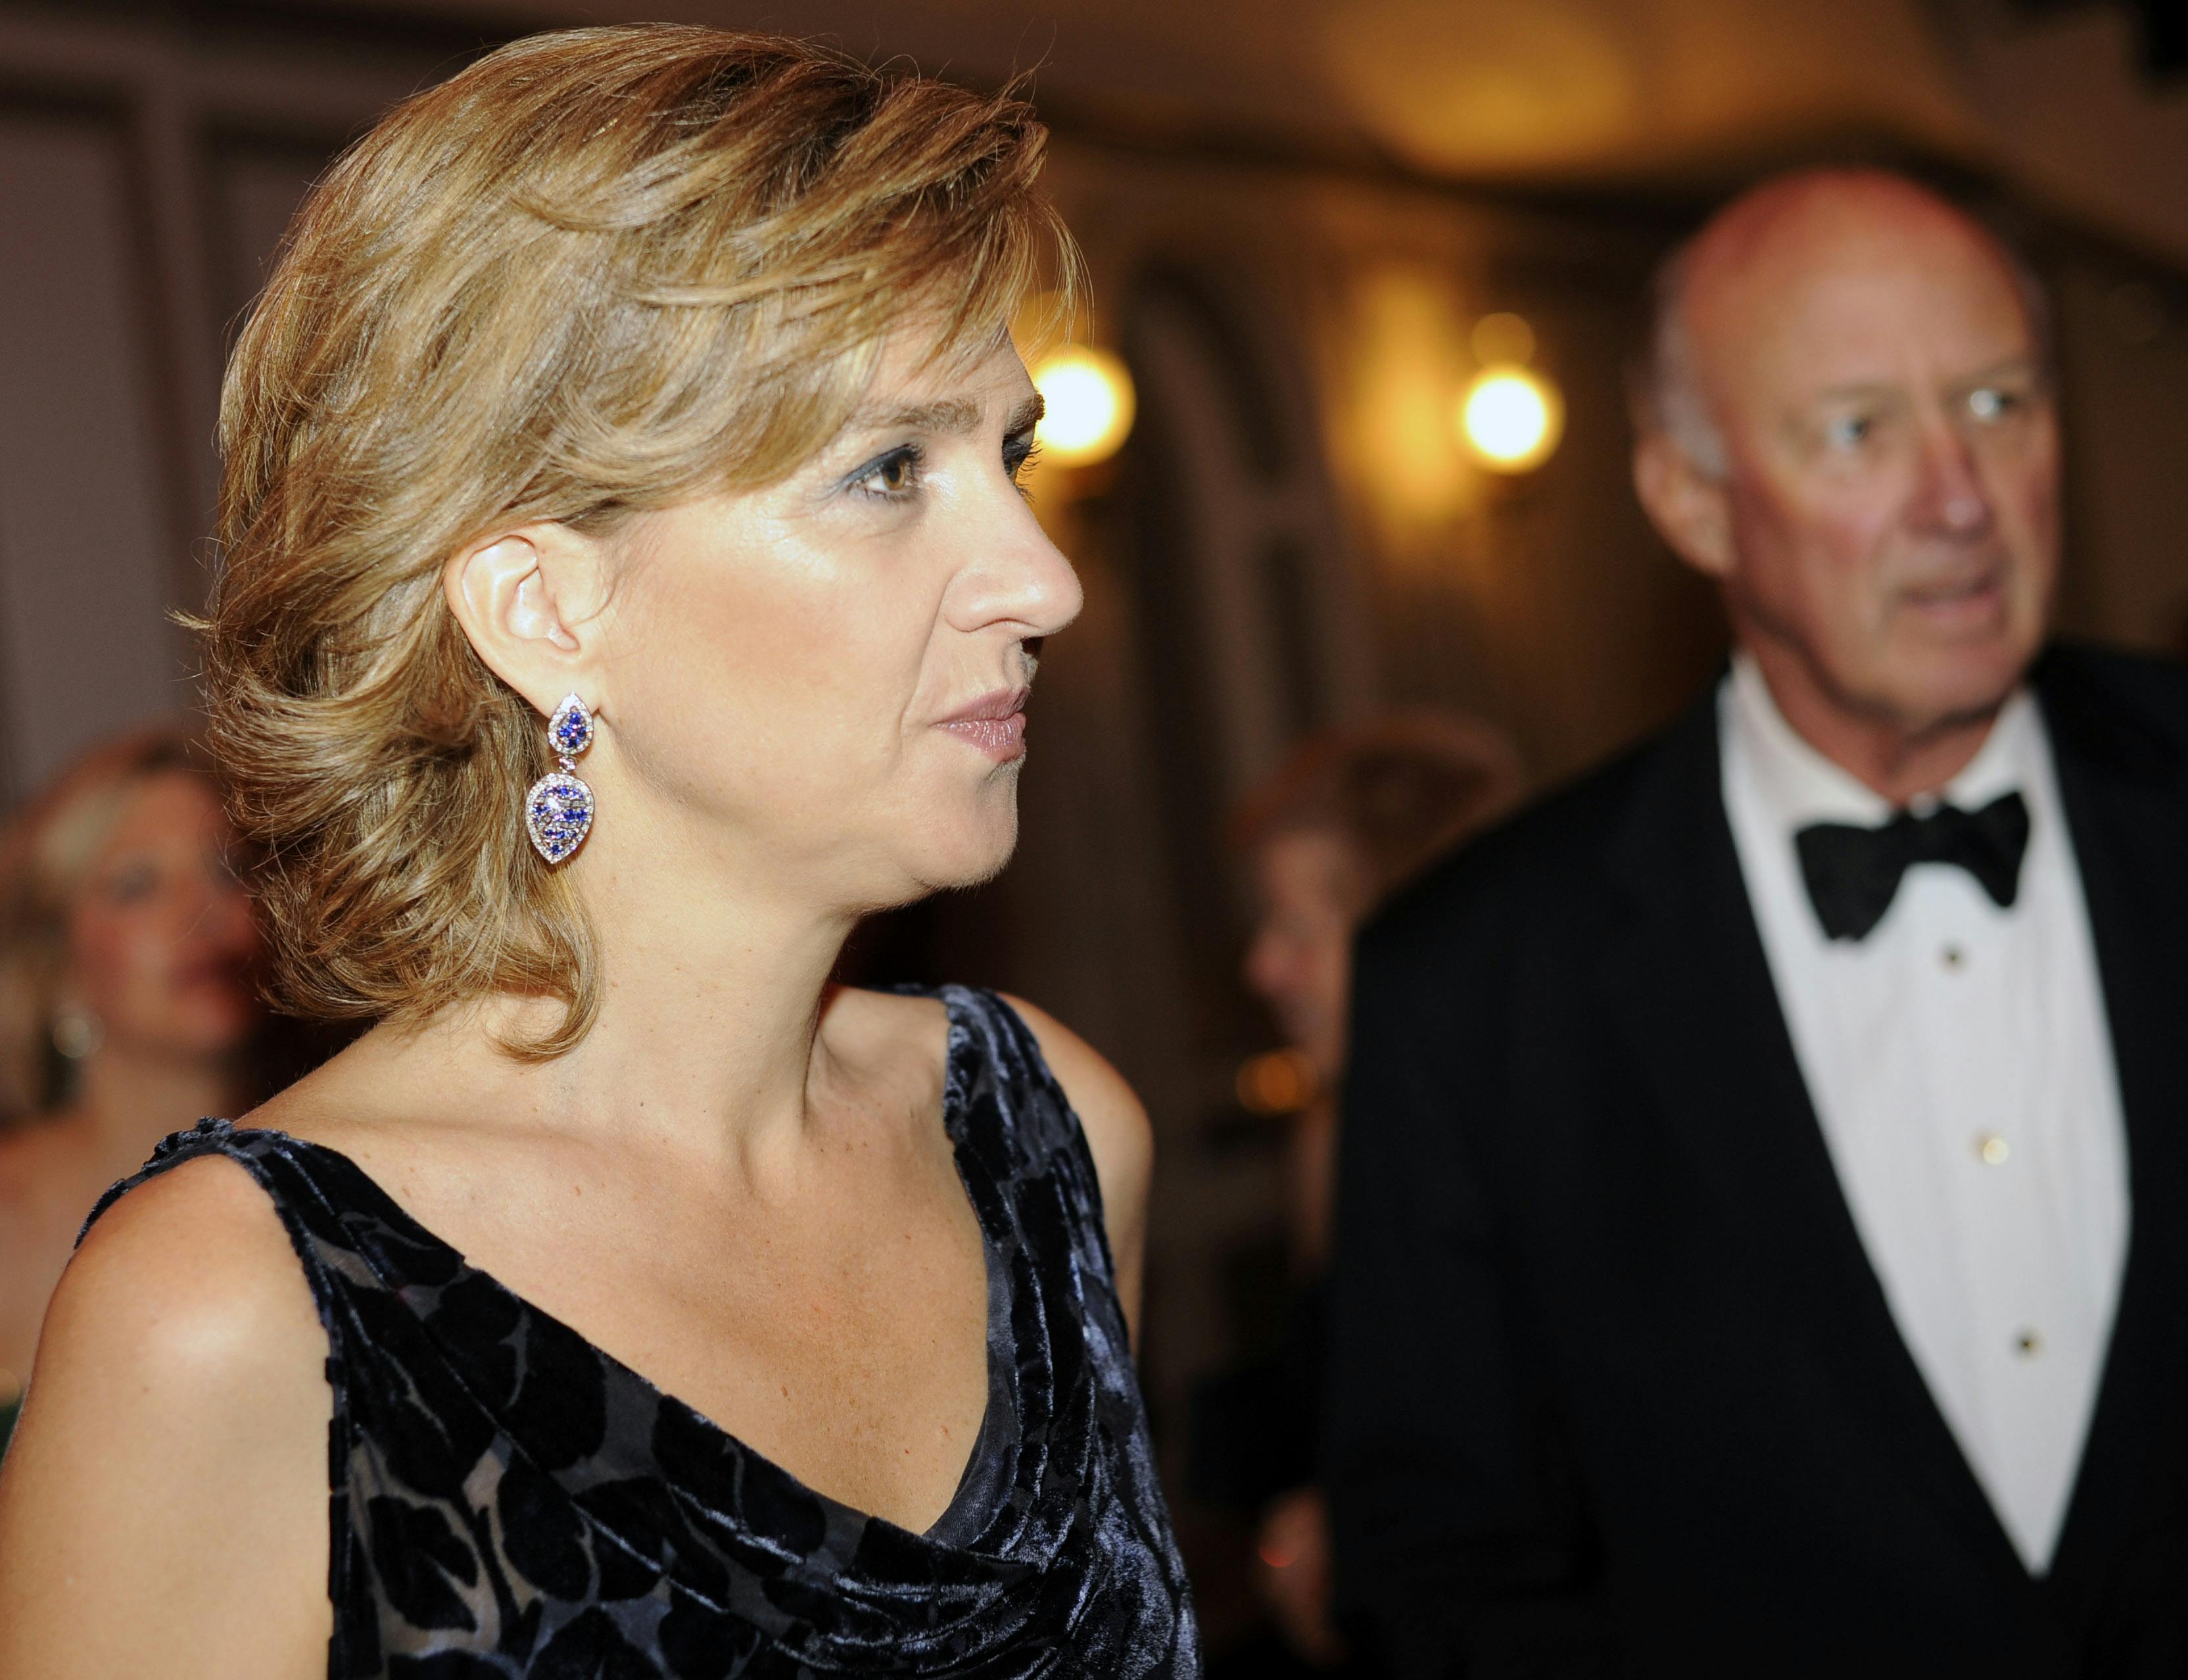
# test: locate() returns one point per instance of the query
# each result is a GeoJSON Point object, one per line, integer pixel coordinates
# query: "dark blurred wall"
{"type": "Point", "coordinates": [91, 520]}
{"type": "Point", "coordinates": [148, 165]}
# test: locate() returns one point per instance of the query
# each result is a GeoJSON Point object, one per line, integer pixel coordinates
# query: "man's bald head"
{"type": "Point", "coordinates": [1743, 254]}
{"type": "Point", "coordinates": [1847, 423]}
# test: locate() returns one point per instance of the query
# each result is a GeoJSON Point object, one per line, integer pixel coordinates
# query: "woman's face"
{"type": "Point", "coordinates": [161, 946]}
{"type": "Point", "coordinates": [828, 676]}
{"type": "Point", "coordinates": [1309, 889]}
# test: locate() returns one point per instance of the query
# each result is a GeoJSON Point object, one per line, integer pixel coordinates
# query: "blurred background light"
{"type": "Point", "coordinates": [1090, 404]}
{"type": "Point", "coordinates": [1511, 418]}
{"type": "Point", "coordinates": [1277, 1083]}
{"type": "Point", "coordinates": [1407, 352]}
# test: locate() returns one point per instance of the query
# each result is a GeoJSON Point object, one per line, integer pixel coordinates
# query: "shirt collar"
{"type": "Point", "coordinates": [1799, 786]}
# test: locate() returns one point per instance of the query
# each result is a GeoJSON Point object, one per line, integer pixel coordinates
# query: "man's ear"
{"type": "Point", "coordinates": [1690, 510]}
{"type": "Point", "coordinates": [528, 600]}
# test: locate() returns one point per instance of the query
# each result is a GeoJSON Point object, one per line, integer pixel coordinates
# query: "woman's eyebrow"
{"type": "Point", "coordinates": [946, 416]}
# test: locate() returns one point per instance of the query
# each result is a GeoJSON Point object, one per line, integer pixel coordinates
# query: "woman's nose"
{"type": "Point", "coordinates": [1023, 581]}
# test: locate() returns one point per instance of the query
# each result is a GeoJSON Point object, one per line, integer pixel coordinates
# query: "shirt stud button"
{"type": "Point", "coordinates": [1951, 956]}
{"type": "Point", "coordinates": [2028, 1343]}
{"type": "Point", "coordinates": [1993, 1150]}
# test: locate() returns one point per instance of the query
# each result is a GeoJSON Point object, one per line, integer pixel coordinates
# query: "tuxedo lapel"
{"type": "Point", "coordinates": [2125, 790]}
{"type": "Point", "coordinates": [1686, 978]}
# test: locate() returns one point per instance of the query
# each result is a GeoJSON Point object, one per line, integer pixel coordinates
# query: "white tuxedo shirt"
{"type": "Point", "coordinates": [1961, 1068]}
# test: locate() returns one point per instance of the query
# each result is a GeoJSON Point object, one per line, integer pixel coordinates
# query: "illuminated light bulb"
{"type": "Point", "coordinates": [1511, 418]}
{"type": "Point", "coordinates": [1090, 405]}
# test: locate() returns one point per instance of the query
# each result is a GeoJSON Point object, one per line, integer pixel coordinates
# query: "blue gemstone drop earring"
{"type": "Point", "coordinates": [558, 810]}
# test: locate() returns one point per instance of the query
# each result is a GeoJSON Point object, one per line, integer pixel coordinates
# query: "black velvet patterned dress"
{"type": "Point", "coordinates": [507, 1499]}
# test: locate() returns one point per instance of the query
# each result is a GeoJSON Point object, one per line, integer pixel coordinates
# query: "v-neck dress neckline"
{"type": "Point", "coordinates": [985, 1468]}
{"type": "Point", "coordinates": [508, 1499]}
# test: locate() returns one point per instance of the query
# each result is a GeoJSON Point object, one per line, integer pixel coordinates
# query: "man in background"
{"type": "Point", "coordinates": [1763, 1243]}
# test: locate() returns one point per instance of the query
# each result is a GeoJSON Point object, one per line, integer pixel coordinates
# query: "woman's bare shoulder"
{"type": "Point", "coordinates": [177, 1420]}
{"type": "Point", "coordinates": [195, 1252]}
{"type": "Point", "coordinates": [183, 1319]}
{"type": "Point", "coordinates": [187, 1296]}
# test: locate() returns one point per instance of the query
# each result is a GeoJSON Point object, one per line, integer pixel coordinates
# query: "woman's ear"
{"type": "Point", "coordinates": [528, 600]}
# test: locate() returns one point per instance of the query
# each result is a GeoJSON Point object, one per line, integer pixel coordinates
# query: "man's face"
{"type": "Point", "coordinates": [1892, 497]}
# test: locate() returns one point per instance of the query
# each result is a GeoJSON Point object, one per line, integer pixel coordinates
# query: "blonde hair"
{"type": "Point", "coordinates": [46, 855]}
{"type": "Point", "coordinates": [600, 272]}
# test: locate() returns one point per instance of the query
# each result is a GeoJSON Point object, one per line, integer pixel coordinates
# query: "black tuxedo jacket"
{"type": "Point", "coordinates": [1614, 1388]}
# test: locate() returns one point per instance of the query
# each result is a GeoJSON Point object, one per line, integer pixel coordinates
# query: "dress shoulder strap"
{"type": "Point", "coordinates": [268, 1156]}
{"type": "Point", "coordinates": [1015, 1114]}
{"type": "Point", "coordinates": [997, 1071]}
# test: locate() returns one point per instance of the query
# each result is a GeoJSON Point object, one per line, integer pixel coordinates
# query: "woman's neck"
{"type": "Point", "coordinates": [706, 1039]}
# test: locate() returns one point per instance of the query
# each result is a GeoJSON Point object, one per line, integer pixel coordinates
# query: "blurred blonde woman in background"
{"type": "Point", "coordinates": [629, 587]}
{"type": "Point", "coordinates": [1349, 817]}
{"type": "Point", "coordinates": [126, 1000]}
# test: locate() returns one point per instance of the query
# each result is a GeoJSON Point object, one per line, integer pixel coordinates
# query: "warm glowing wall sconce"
{"type": "Point", "coordinates": [1509, 417]}
{"type": "Point", "coordinates": [1090, 405]}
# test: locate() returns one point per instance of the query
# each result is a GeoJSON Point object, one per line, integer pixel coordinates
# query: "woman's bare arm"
{"type": "Point", "coordinates": [1119, 1137]}
{"type": "Point", "coordinates": [163, 1508]}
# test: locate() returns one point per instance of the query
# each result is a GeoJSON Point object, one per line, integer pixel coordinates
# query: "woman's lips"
{"type": "Point", "coordinates": [994, 723]}
{"type": "Point", "coordinates": [1001, 739]}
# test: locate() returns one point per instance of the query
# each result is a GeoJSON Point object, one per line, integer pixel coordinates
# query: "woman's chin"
{"type": "Point", "coordinates": [972, 855]}
{"type": "Point", "coordinates": [977, 866]}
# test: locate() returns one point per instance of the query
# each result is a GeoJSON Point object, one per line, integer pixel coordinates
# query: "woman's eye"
{"type": "Point", "coordinates": [892, 476]}
{"type": "Point", "coordinates": [1019, 455]}
{"type": "Point", "coordinates": [1989, 403]}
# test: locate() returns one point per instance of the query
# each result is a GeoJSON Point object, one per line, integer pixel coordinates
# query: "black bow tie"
{"type": "Point", "coordinates": [1853, 873]}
